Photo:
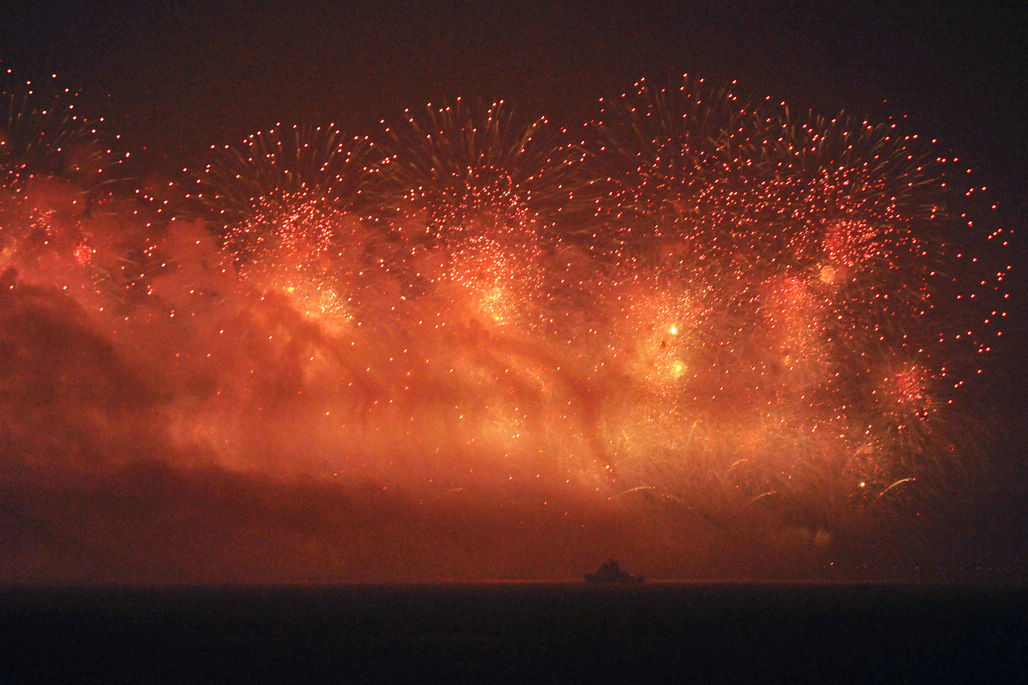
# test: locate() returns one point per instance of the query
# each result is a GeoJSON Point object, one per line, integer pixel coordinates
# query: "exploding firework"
{"type": "Point", "coordinates": [42, 134]}
{"type": "Point", "coordinates": [820, 254]}
{"type": "Point", "coordinates": [58, 178]}
{"type": "Point", "coordinates": [460, 163]}
{"type": "Point", "coordinates": [477, 194]}
{"type": "Point", "coordinates": [700, 301]}
{"type": "Point", "coordinates": [752, 305]}
{"type": "Point", "coordinates": [285, 162]}
{"type": "Point", "coordinates": [288, 208]}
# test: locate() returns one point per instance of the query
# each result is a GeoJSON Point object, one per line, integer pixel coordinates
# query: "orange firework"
{"type": "Point", "coordinates": [699, 299]}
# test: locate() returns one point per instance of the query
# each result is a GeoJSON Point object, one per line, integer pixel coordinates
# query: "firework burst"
{"type": "Point", "coordinates": [703, 300]}
{"type": "Point", "coordinates": [43, 134]}
{"type": "Point", "coordinates": [287, 204]}
{"type": "Point", "coordinates": [822, 250]}
{"type": "Point", "coordinates": [59, 177]}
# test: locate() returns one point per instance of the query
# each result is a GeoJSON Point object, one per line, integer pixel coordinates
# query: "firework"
{"type": "Point", "coordinates": [43, 134]}
{"type": "Point", "coordinates": [820, 253]}
{"type": "Point", "coordinates": [287, 206]}
{"type": "Point", "coordinates": [698, 300]}
{"type": "Point", "coordinates": [60, 214]}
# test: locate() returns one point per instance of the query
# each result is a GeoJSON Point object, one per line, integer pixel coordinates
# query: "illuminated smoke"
{"type": "Point", "coordinates": [697, 303]}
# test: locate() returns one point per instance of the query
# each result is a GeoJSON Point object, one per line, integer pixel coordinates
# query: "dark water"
{"type": "Point", "coordinates": [657, 632]}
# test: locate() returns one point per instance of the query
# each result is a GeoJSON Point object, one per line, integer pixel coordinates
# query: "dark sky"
{"type": "Point", "coordinates": [185, 75]}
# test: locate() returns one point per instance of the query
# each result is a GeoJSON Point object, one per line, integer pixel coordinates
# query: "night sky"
{"type": "Point", "coordinates": [182, 76]}
{"type": "Point", "coordinates": [175, 78]}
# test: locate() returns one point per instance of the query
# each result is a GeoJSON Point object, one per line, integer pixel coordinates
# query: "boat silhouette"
{"type": "Point", "coordinates": [611, 572]}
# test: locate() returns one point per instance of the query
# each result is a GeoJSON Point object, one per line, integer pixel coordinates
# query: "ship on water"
{"type": "Point", "coordinates": [611, 572]}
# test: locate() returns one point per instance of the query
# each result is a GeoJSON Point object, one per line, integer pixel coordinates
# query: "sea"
{"type": "Point", "coordinates": [570, 632]}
